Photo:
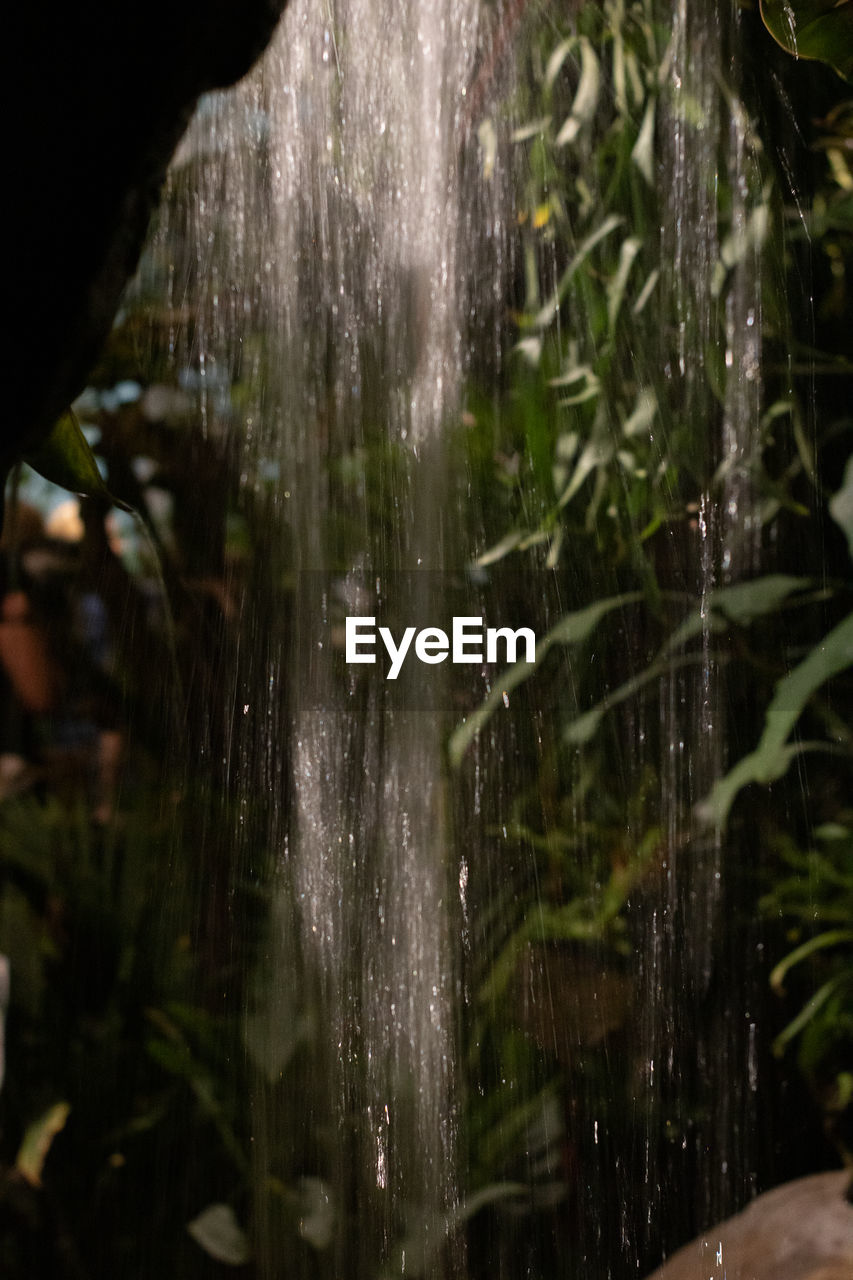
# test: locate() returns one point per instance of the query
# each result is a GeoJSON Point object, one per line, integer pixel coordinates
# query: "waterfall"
{"type": "Point", "coordinates": [352, 222]}
{"type": "Point", "coordinates": [712, 291]}
{"type": "Point", "coordinates": [330, 209]}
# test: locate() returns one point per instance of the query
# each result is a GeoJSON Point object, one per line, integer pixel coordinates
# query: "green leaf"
{"type": "Point", "coordinates": [832, 938]}
{"type": "Point", "coordinates": [741, 604]}
{"type": "Point", "coordinates": [492, 1194]}
{"type": "Point", "coordinates": [572, 375]}
{"type": "Point", "coordinates": [597, 452]}
{"type": "Point", "coordinates": [172, 1052]}
{"type": "Point", "coordinates": [38, 1140]}
{"type": "Point", "coordinates": [815, 29]}
{"type": "Point", "coordinates": [741, 242]}
{"type": "Point", "coordinates": [807, 1013]}
{"type": "Point", "coordinates": [616, 287]}
{"type": "Point", "coordinates": [772, 756]}
{"type": "Point", "coordinates": [531, 130]}
{"type": "Point", "coordinates": [586, 98]}
{"type": "Point", "coordinates": [642, 415]}
{"type": "Point", "coordinates": [556, 60]}
{"type": "Point", "coordinates": [646, 291]}
{"type": "Point", "coordinates": [217, 1231]}
{"type": "Point", "coordinates": [272, 1042]}
{"type": "Point", "coordinates": [744, 602]}
{"type": "Point", "coordinates": [643, 150]}
{"type": "Point", "coordinates": [584, 728]}
{"type": "Point", "coordinates": [65, 458]}
{"type": "Point", "coordinates": [507, 543]}
{"type": "Point", "coordinates": [572, 629]}
{"type": "Point", "coordinates": [547, 313]}
{"type": "Point", "coordinates": [841, 506]}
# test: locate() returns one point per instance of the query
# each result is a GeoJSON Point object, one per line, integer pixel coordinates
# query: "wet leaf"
{"type": "Point", "coordinates": [38, 1140]}
{"type": "Point", "coordinates": [492, 1194]}
{"type": "Point", "coordinates": [584, 728]}
{"type": "Point", "coordinates": [739, 244]}
{"type": "Point", "coordinates": [530, 349]}
{"type": "Point", "coordinates": [590, 392]}
{"type": "Point", "coordinates": [507, 543]}
{"type": "Point", "coordinates": [642, 415]}
{"type": "Point", "coordinates": [807, 1013]}
{"type": "Point", "coordinates": [744, 602]}
{"type": "Point", "coordinates": [557, 58]}
{"type": "Point", "coordinates": [547, 313]}
{"type": "Point", "coordinates": [741, 604]}
{"type": "Point", "coordinates": [773, 755]}
{"type": "Point", "coordinates": [271, 1043]}
{"type": "Point", "coordinates": [821, 30]}
{"type": "Point", "coordinates": [573, 374]}
{"type": "Point", "coordinates": [172, 1052]}
{"type": "Point", "coordinates": [531, 130]}
{"type": "Point", "coordinates": [643, 150]}
{"type": "Point", "coordinates": [832, 938]}
{"type": "Point", "coordinates": [646, 291]}
{"type": "Point", "coordinates": [572, 629]}
{"type": "Point", "coordinates": [616, 287]}
{"type": "Point", "coordinates": [217, 1231]}
{"type": "Point", "coordinates": [597, 452]}
{"type": "Point", "coordinates": [65, 458]}
{"type": "Point", "coordinates": [586, 98]}
{"type": "Point", "coordinates": [841, 506]}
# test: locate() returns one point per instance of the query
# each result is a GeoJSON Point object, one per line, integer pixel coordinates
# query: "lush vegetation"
{"type": "Point", "coordinates": [660, 887]}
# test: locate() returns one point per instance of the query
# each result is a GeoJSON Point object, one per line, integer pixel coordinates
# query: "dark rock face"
{"type": "Point", "coordinates": [99, 95]}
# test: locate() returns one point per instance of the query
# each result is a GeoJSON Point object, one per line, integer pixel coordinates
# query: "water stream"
{"type": "Point", "coordinates": [333, 176]}
{"type": "Point", "coordinates": [351, 226]}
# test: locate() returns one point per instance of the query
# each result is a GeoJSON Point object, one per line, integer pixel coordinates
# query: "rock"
{"type": "Point", "coordinates": [800, 1231]}
{"type": "Point", "coordinates": [99, 95]}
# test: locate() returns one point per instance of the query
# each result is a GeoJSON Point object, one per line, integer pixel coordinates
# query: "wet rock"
{"type": "Point", "coordinates": [800, 1231]}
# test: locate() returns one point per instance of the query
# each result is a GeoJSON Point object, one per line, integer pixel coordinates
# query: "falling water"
{"type": "Point", "coordinates": [691, 1042]}
{"type": "Point", "coordinates": [332, 184]}
{"type": "Point", "coordinates": [334, 246]}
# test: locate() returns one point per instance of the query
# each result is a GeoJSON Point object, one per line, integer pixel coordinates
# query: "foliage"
{"type": "Point", "coordinates": [814, 897]}
{"type": "Point", "coordinates": [110, 1071]}
{"type": "Point", "coordinates": [634, 420]}
{"type": "Point", "coordinates": [821, 29]}
{"type": "Point", "coordinates": [65, 458]}
{"type": "Point", "coordinates": [599, 441]}
{"type": "Point", "coordinates": [593, 467]}
{"type": "Point", "coordinates": [773, 755]}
